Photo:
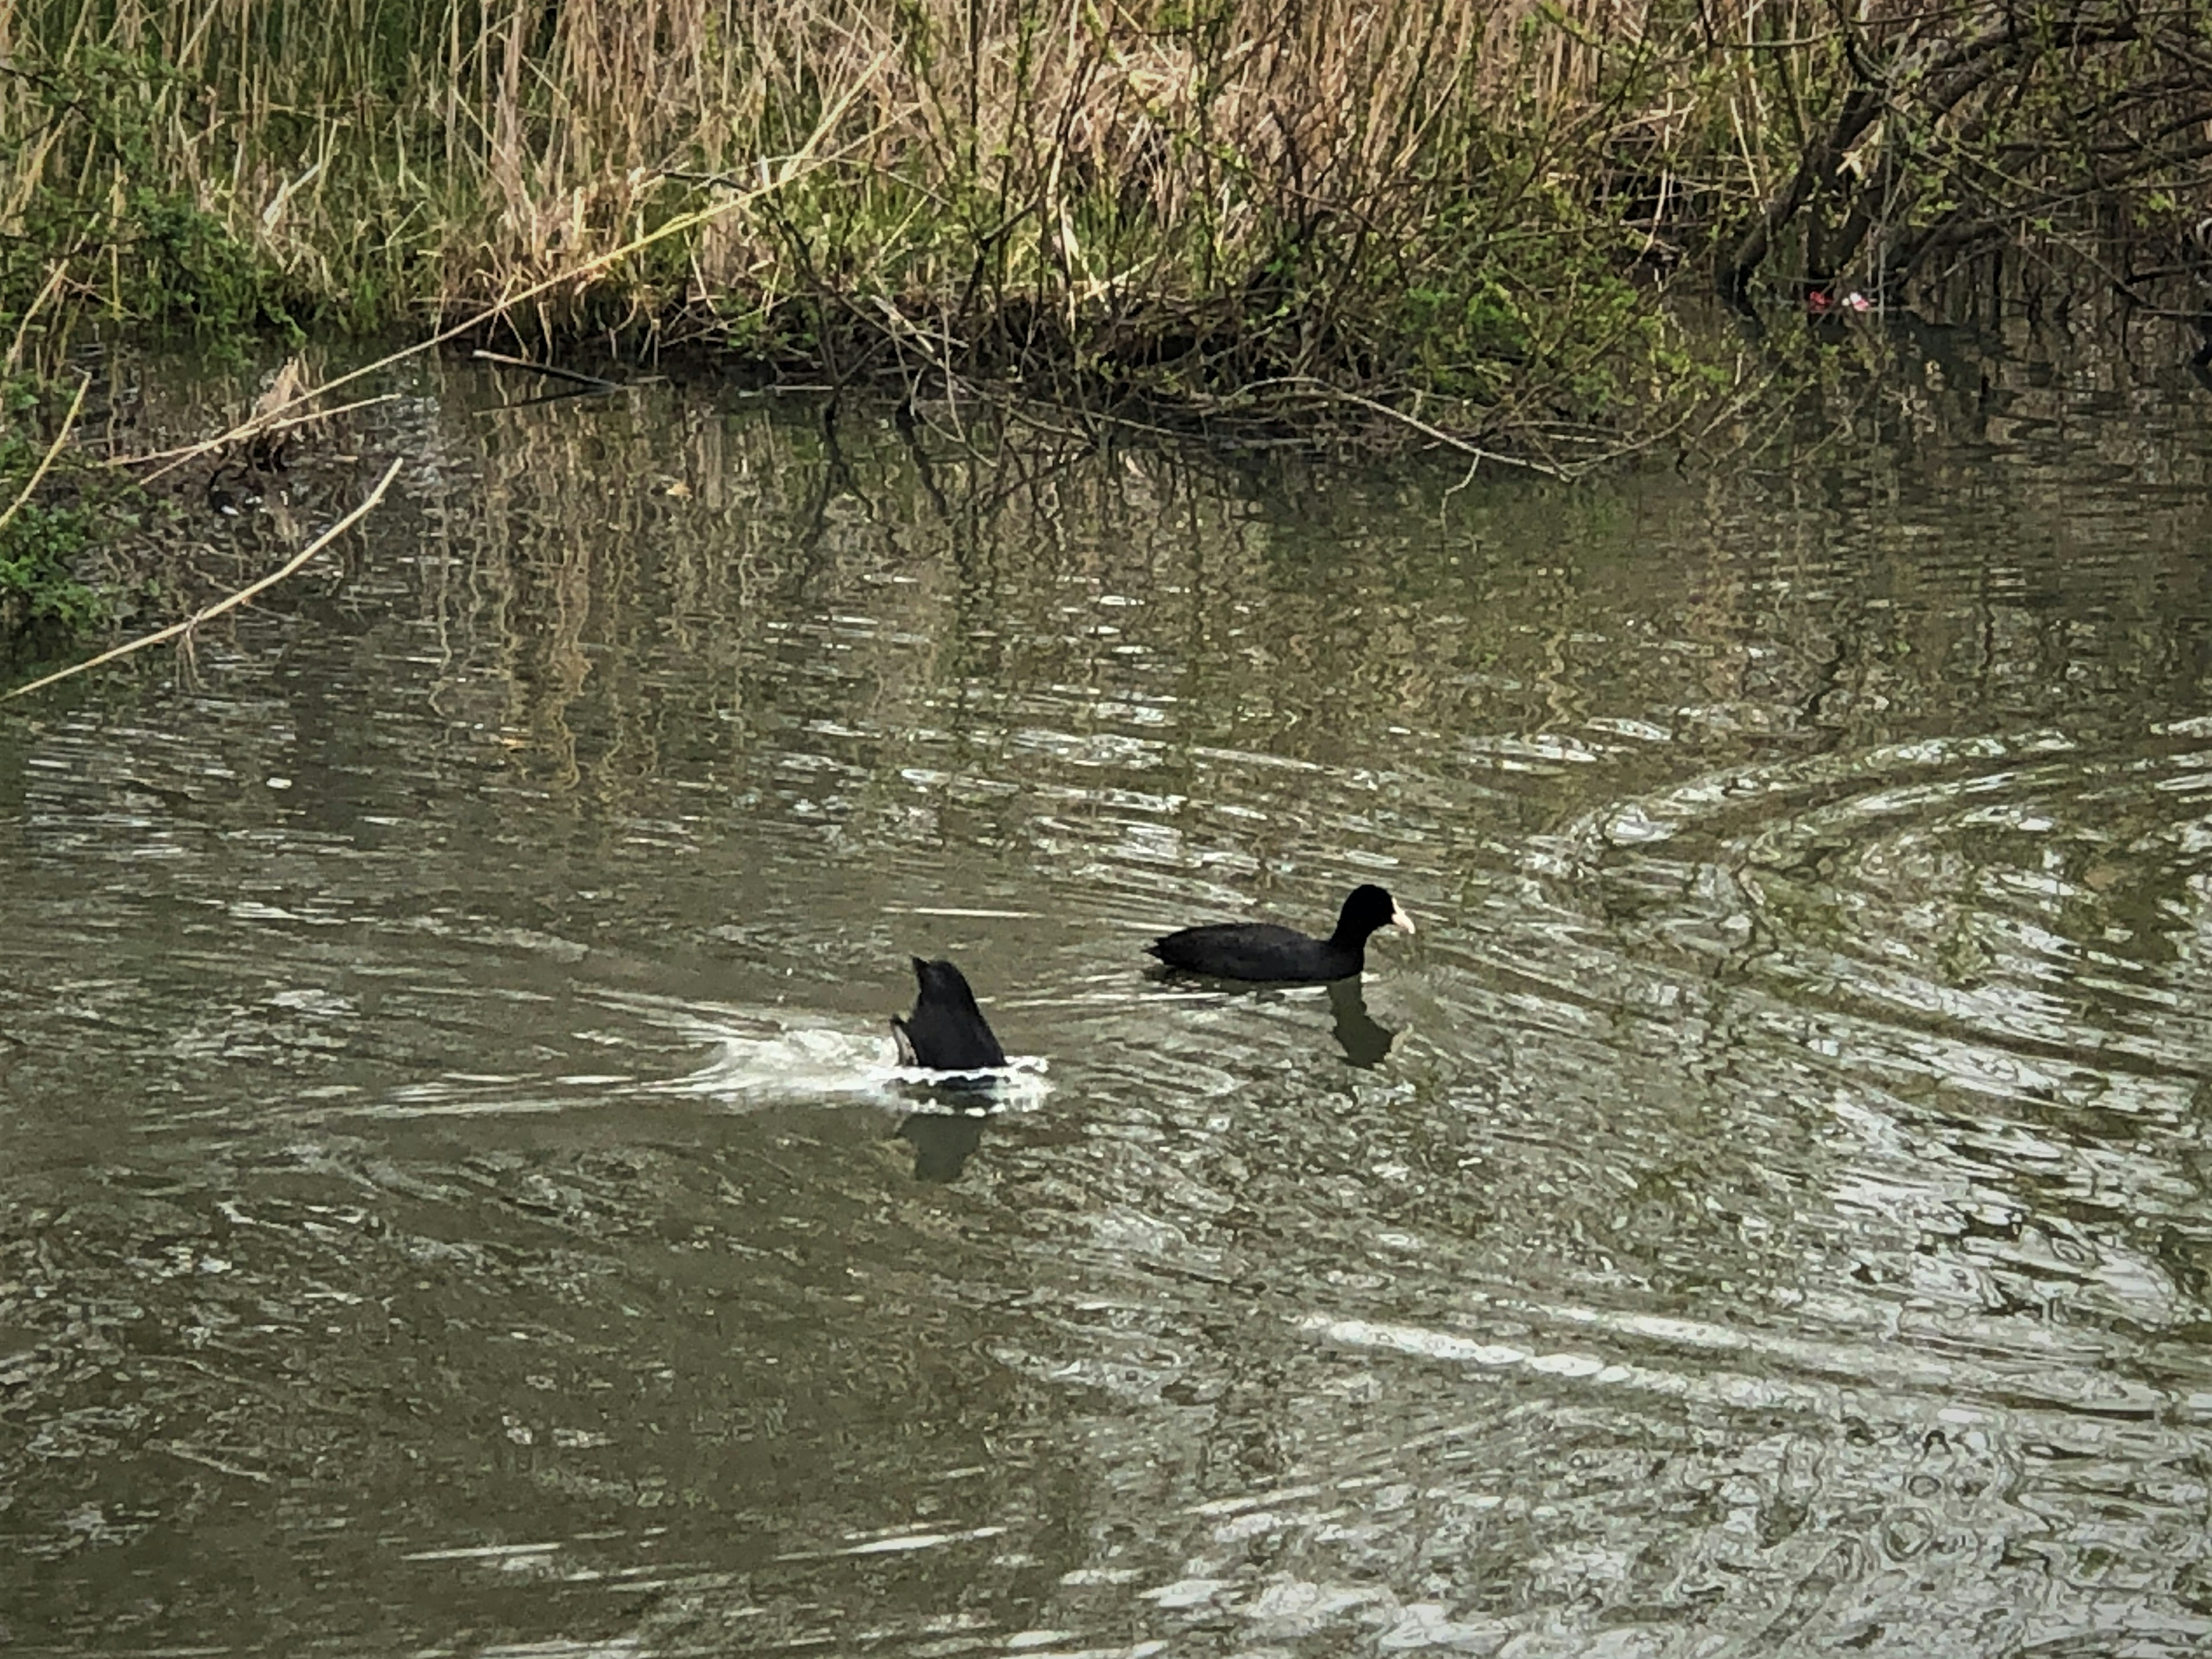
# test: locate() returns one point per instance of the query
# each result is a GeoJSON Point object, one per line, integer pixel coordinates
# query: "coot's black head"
{"type": "Point", "coordinates": [1366, 908]}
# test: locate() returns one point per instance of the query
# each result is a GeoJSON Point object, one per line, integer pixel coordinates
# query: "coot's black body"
{"type": "Point", "coordinates": [947, 1031]}
{"type": "Point", "coordinates": [1263, 950]}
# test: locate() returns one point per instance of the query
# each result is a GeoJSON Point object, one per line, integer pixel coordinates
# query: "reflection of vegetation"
{"type": "Point", "coordinates": [1280, 607]}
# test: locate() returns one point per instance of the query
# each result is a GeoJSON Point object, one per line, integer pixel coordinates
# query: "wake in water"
{"type": "Point", "coordinates": [756, 1058]}
{"type": "Point", "coordinates": [761, 1057]}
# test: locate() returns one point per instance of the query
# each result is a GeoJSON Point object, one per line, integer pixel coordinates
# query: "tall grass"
{"type": "Point", "coordinates": [1462, 209]}
{"type": "Point", "coordinates": [1200, 191]}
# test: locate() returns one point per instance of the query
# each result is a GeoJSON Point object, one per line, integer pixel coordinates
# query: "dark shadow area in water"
{"type": "Point", "coordinates": [1364, 1043]}
{"type": "Point", "coordinates": [943, 1142]}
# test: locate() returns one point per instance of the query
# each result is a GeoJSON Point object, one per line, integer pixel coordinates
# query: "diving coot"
{"type": "Point", "coordinates": [1260, 949]}
{"type": "Point", "coordinates": [947, 1031]}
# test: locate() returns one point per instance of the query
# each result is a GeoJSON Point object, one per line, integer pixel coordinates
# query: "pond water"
{"type": "Point", "coordinates": [457, 1199]}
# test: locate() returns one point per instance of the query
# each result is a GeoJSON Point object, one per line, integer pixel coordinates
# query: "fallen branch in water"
{"type": "Point", "coordinates": [230, 603]}
{"type": "Point", "coordinates": [552, 371]}
{"type": "Point", "coordinates": [1474, 452]}
{"type": "Point", "coordinates": [1321, 393]}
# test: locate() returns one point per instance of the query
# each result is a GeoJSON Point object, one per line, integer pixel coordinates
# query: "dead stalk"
{"type": "Point", "coordinates": [52, 450]}
{"type": "Point", "coordinates": [230, 603]}
{"type": "Point", "coordinates": [54, 280]}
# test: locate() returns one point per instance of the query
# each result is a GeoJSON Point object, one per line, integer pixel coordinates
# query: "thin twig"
{"type": "Point", "coordinates": [1337, 394]}
{"type": "Point", "coordinates": [284, 425]}
{"type": "Point", "coordinates": [551, 372]}
{"type": "Point", "coordinates": [52, 450]}
{"type": "Point", "coordinates": [23, 330]}
{"type": "Point", "coordinates": [231, 602]}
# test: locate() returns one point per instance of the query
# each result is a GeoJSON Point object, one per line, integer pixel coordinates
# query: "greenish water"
{"type": "Point", "coordinates": [456, 1198]}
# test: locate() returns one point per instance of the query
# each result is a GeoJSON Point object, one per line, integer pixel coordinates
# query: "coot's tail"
{"type": "Point", "coordinates": [947, 1031]}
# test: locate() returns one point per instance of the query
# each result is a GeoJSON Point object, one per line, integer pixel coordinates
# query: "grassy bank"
{"type": "Point", "coordinates": [1447, 219]}
{"type": "Point", "coordinates": [1475, 203]}
{"type": "Point", "coordinates": [1191, 198]}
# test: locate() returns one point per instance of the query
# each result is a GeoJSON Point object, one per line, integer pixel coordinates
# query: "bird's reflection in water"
{"type": "Point", "coordinates": [1364, 1041]}
{"type": "Point", "coordinates": [942, 1142]}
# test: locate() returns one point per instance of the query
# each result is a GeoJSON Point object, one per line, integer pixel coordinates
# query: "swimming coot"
{"type": "Point", "coordinates": [1260, 949]}
{"type": "Point", "coordinates": [947, 1031]}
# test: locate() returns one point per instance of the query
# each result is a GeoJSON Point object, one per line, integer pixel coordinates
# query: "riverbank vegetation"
{"type": "Point", "coordinates": [1481, 223]}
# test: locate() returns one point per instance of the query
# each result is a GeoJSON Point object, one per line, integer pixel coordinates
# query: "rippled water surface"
{"type": "Point", "coordinates": [457, 1197]}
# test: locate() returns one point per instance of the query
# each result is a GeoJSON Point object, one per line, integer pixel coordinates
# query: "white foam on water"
{"type": "Point", "coordinates": [760, 1055]}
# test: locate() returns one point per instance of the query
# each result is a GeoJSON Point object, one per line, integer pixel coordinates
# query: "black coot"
{"type": "Point", "coordinates": [1260, 949]}
{"type": "Point", "coordinates": [947, 1031]}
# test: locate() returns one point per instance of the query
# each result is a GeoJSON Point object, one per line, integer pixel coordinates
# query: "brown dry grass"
{"type": "Point", "coordinates": [492, 143]}
{"type": "Point", "coordinates": [1444, 204]}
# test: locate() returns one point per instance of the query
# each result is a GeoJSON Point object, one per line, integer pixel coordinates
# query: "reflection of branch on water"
{"type": "Point", "coordinates": [943, 1142]}
{"type": "Point", "coordinates": [837, 480]}
{"type": "Point", "coordinates": [1364, 1041]}
{"type": "Point", "coordinates": [903, 423]}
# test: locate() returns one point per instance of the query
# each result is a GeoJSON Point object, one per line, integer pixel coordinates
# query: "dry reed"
{"type": "Point", "coordinates": [1473, 202]}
